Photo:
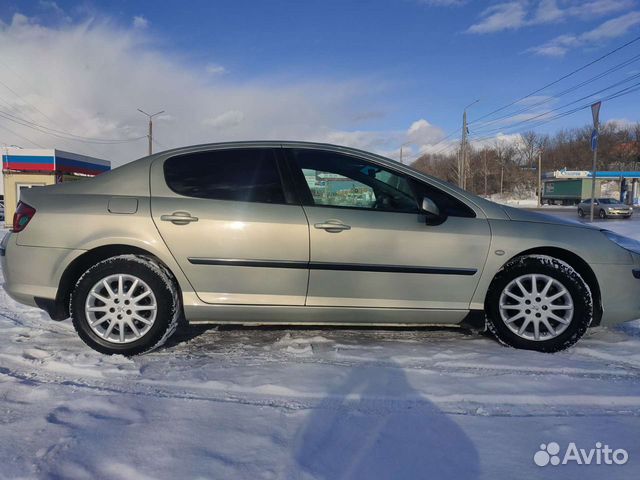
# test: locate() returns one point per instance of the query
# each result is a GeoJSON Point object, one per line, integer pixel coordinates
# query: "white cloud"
{"type": "Point", "coordinates": [500, 139]}
{"type": "Point", "coordinates": [229, 119]}
{"type": "Point", "coordinates": [548, 11]}
{"type": "Point", "coordinates": [600, 7]}
{"type": "Point", "coordinates": [215, 69]}
{"type": "Point", "coordinates": [417, 138]}
{"type": "Point", "coordinates": [503, 16]}
{"type": "Point", "coordinates": [614, 28]}
{"type": "Point", "coordinates": [97, 74]}
{"type": "Point", "coordinates": [140, 22]}
{"type": "Point", "coordinates": [517, 14]}
{"type": "Point", "coordinates": [422, 132]}
{"type": "Point", "coordinates": [622, 122]}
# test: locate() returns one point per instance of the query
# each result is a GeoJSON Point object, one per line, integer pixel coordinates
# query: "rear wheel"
{"type": "Point", "coordinates": [539, 303]}
{"type": "Point", "coordinates": [580, 212]}
{"type": "Point", "coordinates": [127, 304]}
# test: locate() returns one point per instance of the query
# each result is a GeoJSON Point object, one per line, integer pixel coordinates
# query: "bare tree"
{"type": "Point", "coordinates": [505, 154]}
{"type": "Point", "coordinates": [509, 167]}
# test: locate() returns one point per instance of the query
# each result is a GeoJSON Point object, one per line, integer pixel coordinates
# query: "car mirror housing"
{"type": "Point", "coordinates": [433, 215]}
{"type": "Point", "coordinates": [428, 206]}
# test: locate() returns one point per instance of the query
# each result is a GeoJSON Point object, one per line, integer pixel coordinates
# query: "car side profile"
{"type": "Point", "coordinates": [605, 208]}
{"type": "Point", "coordinates": [303, 233]}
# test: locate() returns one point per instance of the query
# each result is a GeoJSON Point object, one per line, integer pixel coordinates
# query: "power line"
{"type": "Point", "coordinates": [63, 134]}
{"type": "Point", "coordinates": [159, 144]}
{"type": "Point", "coordinates": [10, 68]}
{"type": "Point", "coordinates": [21, 136]}
{"type": "Point", "coordinates": [620, 93]}
{"type": "Point", "coordinates": [59, 108]}
{"type": "Point", "coordinates": [24, 100]}
{"type": "Point", "coordinates": [564, 92]}
{"type": "Point", "coordinates": [608, 54]}
{"type": "Point", "coordinates": [609, 87]}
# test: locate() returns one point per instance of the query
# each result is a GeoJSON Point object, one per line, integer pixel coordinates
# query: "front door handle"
{"type": "Point", "coordinates": [179, 218]}
{"type": "Point", "coordinates": [332, 226]}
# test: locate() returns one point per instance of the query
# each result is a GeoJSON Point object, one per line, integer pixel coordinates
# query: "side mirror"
{"type": "Point", "coordinates": [432, 212]}
{"type": "Point", "coordinates": [428, 206]}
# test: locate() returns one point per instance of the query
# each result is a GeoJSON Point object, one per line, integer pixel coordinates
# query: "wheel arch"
{"type": "Point", "coordinates": [82, 263]}
{"type": "Point", "coordinates": [578, 264]}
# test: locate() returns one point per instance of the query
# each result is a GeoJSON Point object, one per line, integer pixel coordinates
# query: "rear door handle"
{"type": "Point", "coordinates": [332, 226]}
{"type": "Point", "coordinates": [179, 218]}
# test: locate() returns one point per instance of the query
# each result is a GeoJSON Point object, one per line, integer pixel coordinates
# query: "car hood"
{"type": "Point", "coordinates": [615, 205]}
{"type": "Point", "coordinates": [521, 215]}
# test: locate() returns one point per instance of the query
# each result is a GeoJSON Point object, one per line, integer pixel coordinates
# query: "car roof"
{"type": "Point", "coordinates": [267, 143]}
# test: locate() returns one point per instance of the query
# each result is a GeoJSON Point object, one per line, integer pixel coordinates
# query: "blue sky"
{"type": "Point", "coordinates": [393, 63]}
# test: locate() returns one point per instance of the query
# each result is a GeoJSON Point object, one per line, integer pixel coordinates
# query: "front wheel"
{"type": "Point", "coordinates": [602, 214]}
{"type": "Point", "coordinates": [538, 302]}
{"type": "Point", "coordinates": [127, 304]}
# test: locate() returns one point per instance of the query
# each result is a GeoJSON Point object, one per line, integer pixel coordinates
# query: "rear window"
{"type": "Point", "coordinates": [244, 175]}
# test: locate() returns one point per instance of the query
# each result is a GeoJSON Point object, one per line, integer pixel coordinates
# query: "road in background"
{"type": "Point", "coordinates": [572, 214]}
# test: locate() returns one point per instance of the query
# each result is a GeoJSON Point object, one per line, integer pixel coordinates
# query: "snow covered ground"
{"type": "Point", "coordinates": [272, 403]}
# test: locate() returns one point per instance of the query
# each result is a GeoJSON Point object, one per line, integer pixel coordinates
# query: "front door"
{"type": "Point", "coordinates": [231, 226]}
{"type": "Point", "coordinates": [370, 244]}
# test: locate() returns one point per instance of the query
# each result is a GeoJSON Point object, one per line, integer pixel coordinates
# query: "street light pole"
{"type": "Point", "coordinates": [150, 134]}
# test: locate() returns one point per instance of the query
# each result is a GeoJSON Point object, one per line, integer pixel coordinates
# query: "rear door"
{"type": "Point", "coordinates": [371, 245]}
{"type": "Point", "coordinates": [232, 225]}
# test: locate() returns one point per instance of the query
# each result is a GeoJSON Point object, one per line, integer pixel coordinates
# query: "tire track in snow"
{"type": "Point", "coordinates": [459, 404]}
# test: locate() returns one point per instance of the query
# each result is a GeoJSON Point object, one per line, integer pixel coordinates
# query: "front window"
{"type": "Point", "coordinates": [338, 180]}
{"type": "Point", "coordinates": [344, 181]}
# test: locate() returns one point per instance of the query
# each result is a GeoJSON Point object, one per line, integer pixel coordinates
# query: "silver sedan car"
{"type": "Point", "coordinates": [605, 208]}
{"type": "Point", "coordinates": [306, 234]}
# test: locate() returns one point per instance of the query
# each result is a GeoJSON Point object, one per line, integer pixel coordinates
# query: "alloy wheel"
{"type": "Point", "coordinates": [121, 308]}
{"type": "Point", "coordinates": [536, 307]}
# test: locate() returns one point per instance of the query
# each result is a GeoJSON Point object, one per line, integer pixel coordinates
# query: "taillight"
{"type": "Point", "coordinates": [24, 214]}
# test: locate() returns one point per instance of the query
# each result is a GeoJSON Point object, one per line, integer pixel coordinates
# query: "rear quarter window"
{"type": "Point", "coordinates": [246, 175]}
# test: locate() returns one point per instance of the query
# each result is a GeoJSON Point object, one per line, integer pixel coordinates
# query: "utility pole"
{"type": "Point", "coordinates": [150, 134]}
{"type": "Point", "coordinates": [486, 171]}
{"type": "Point", "coordinates": [463, 152]}
{"type": "Point", "coordinates": [402, 148]}
{"type": "Point", "coordinates": [595, 112]}
{"type": "Point", "coordinates": [539, 178]}
{"type": "Point", "coordinates": [462, 162]}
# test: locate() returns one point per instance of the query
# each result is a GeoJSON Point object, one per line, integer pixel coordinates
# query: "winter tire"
{"type": "Point", "coordinates": [539, 303]}
{"type": "Point", "coordinates": [602, 214]}
{"type": "Point", "coordinates": [127, 305]}
{"type": "Point", "coordinates": [580, 213]}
